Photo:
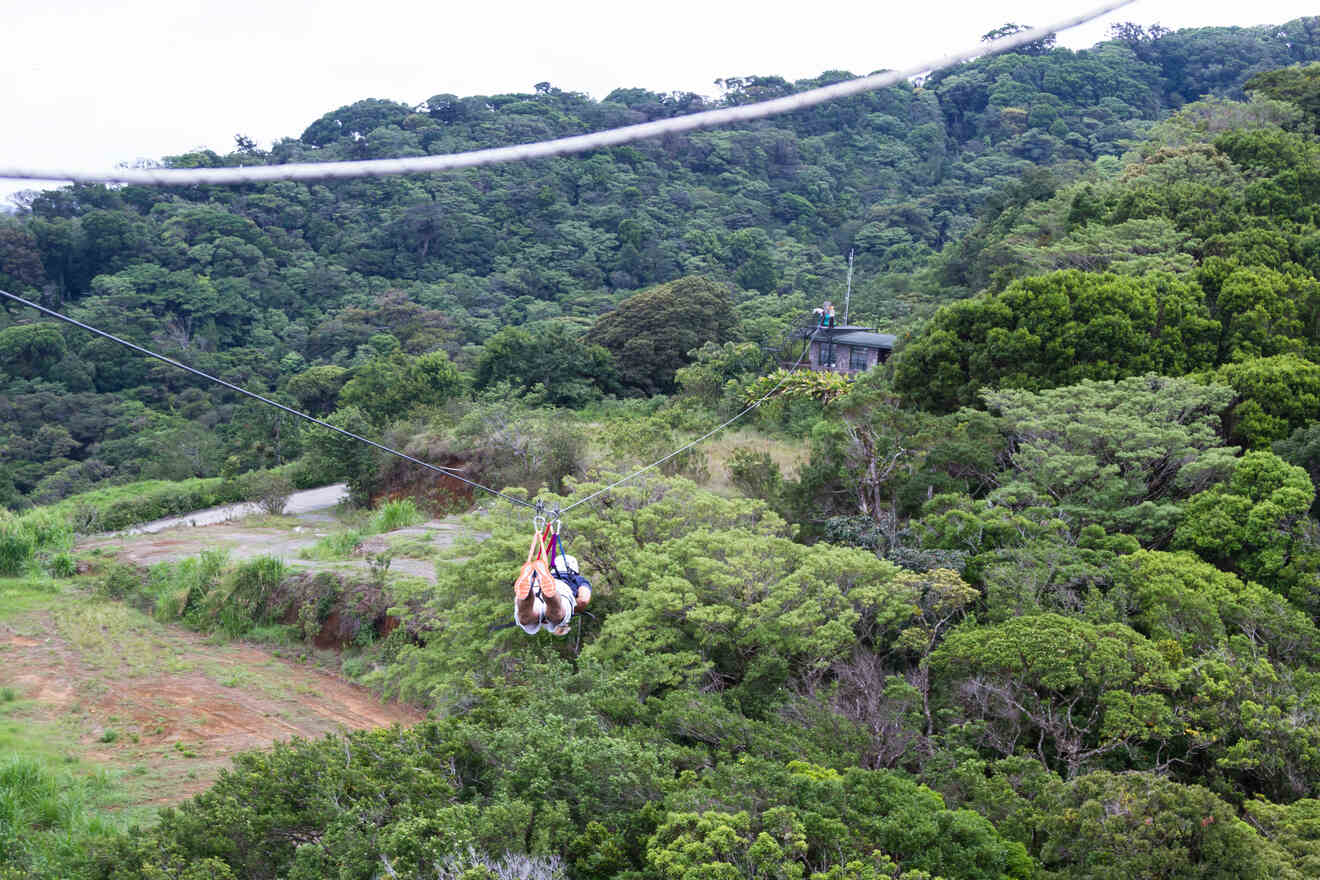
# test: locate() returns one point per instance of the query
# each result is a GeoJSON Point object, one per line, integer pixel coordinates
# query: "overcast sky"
{"type": "Point", "coordinates": [92, 83]}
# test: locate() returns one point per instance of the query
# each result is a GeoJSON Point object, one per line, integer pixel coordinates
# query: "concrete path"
{"type": "Point", "coordinates": [309, 501]}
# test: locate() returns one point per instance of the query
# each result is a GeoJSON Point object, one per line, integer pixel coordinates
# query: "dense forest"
{"type": "Point", "coordinates": [1041, 597]}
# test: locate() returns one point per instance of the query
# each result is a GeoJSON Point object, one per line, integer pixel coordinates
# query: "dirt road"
{"type": "Point", "coordinates": [225, 528]}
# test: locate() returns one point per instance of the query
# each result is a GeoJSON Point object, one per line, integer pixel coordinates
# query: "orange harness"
{"type": "Point", "coordinates": [535, 574]}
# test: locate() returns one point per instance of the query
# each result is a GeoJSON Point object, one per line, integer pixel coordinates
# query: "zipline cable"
{"type": "Point", "coordinates": [559, 146]}
{"type": "Point", "coordinates": [448, 472]}
{"type": "Point", "coordinates": [711, 433]}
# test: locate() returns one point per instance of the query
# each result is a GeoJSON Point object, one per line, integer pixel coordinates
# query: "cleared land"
{"type": "Point", "coordinates": [98, 685]}
{"type": "Point", "coordinates": [156, 710]}
{"type": "Point", "coordinates": [309, 518]}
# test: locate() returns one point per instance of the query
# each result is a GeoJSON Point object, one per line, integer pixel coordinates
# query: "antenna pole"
{"type": "Point", "coordinates": [848, 296]}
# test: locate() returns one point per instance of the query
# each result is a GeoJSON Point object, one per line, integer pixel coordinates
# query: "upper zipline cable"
{"type": "Point", "coordinates": [448, 472]}
{"type": "Point", "coordinates": [558, 147]}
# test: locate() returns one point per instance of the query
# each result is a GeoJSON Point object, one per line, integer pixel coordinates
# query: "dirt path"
{"type": "Point", "coordinates": [309, 517]}
{"type": "Point", "coordinates": [166, 707]}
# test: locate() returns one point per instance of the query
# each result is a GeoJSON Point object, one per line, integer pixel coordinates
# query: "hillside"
{"type": "Point", "coordinates": [272, 286]}
{"type": "Point", "coordinates": [1037, 598]}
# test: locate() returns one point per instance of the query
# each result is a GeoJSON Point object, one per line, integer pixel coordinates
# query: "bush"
{"type": "Point", "coordinates": [62, 565]}
{"type": "Point", "coordinates": [120, 581]}
{"type": "Point", "coordinates": [396, 515]}
{"type": "Point", "coordinates": [16, 546]}
{"type": "Point", "coordinates": [243, 599]}
{"type": "Point", "coordinates": [269, 490]}
{"type": "Point", "coordinates": [180, 588]}
{"type": "Point", "coordinates": [756, 474]}
{"type": "Point", "coordinates": [42, 816]}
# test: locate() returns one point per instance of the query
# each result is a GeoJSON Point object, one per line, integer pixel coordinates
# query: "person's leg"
{"type": "Point", "coordinates": [558, 608]}
{"type": "Point", "coordinates": [528, 613]}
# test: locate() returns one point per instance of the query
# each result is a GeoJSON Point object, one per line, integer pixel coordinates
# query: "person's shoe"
{"type": "Point", "coordinates": [534, 575]}
{"type": "Point", "coordinates": [522, 586]}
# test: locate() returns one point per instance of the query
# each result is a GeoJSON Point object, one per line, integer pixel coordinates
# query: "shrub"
{"type": "Point", "coordinates": [179, 588]}
{"type": "Point", "coordinates": [16, 546]}
{"type": "Point", "coordinates": [270, 491]}
{"type": "Point", "coordinates": [120, 581]}
{"type": "Point", "coordinates": [62, 565]}
{"type": "Point", "coordinates": [756, 474]}
{"type": "Point", "coordinates": [309, 622]}
{"type": "Point", "coordinates": [49, 530]}
{"type": "Point", "coordinates": [243, 599]}
{"type": "Point", "coordinates": [339, 545]}
{"type": "Point", "coordinates": [396, 515]}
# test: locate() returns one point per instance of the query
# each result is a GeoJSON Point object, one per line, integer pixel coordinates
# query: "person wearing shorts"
{"type": "Point", "coordinates": [550, 604]}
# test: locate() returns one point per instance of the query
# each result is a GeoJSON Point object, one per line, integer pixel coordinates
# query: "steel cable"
{"type": "Point", "coordinates": [448, 472]}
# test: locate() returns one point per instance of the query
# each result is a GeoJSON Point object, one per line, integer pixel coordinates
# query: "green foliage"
{"type": "Point", "coordinates": [242, 599]}
{"type": "Point", "coordinates": [651, 333]}
{"type": "Point", "coordinates": [177, 590]}
{"type": "Point", "coordinates": [120, 581]}
{"type": "Point", "coordinates": [121, 507]}
{"type": "Point", "coordinates": [569, 370]}
{"type": "Point", "coordinates": [317, 389]}
{"type": "Point", "coordinates": [741, 701]}
{"type": "Point", "coordinates": [1298, 85]}
{"type": "Point", "coordinates": [757, 475]}
{"type": "Point", "coordinates": [809, 384]}
{"type": "Point", "coordinates": [391, 386]}
{"type": "Point", "coordinates": [1291, 827]}
{"type": "Point", "coordinates": [1177, 597]}
{"type": "Point", "coordinates": [1302, 448]}
{"type": "Point", "coordinates": [46, 816]}
{"type": "Point", "coordinates": [1014, 678]}
{"type": "Point", "coordinates": [1252, 525]}
{"type": "Point", "coordinates": [718, 370]}
{"type": "Point", "coordinates": [506, 442]}
{"type": "Point", "coordinates": [16, 545]}
{"type": "Point", "coordinates": [1054, 330]}
{"type": "Point", "coordinates": [28, 350]}
{"type": "Point", "coordinates": [340, 457]}
{"type": "Point", "coordinates": [1140, 825]}
{"type": "Point", "coordinates": [1123, 455]}
{"type": "Point", "coordinates": [395, 515]}
{"type": "Point", "coordinates": [1276, 396]}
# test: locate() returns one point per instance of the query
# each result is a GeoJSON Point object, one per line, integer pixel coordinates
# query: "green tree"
{"type": "Point", "coordinates": [1123, 455]}
{"type": "Point", "coordinates": [1057, 330]}
{"type": "Point", "coordinates": [390, 387]}
{"type": "Point", "coordinates": [342, 458]}
{"type": "Point", "coordinates": [1141, 825]}
{"type": "Point", "coordinates": [1276, 396]}
{"type": "Point", "coordinates": [1252, 526]}
{"type": "Point", "coordinates": [1074, 691]}
{"type": "Point", "coordinates": [317, 389]}
{"type": "Point", "coordinates": [30, 350]}
{"type": "Point", "coordinates": [651, 333]}
{"type": "Point", "coordinates": [1299, 85]}
{"type": "Point", "coordinates": [569, 371]}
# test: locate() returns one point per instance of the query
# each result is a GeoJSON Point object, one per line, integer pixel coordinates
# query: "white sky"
{"type": "Point", "coordinates": [91, 83]}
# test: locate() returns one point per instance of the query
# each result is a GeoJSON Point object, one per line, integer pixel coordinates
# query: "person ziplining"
{"type": "Point", "coordinates": [550, 588]}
